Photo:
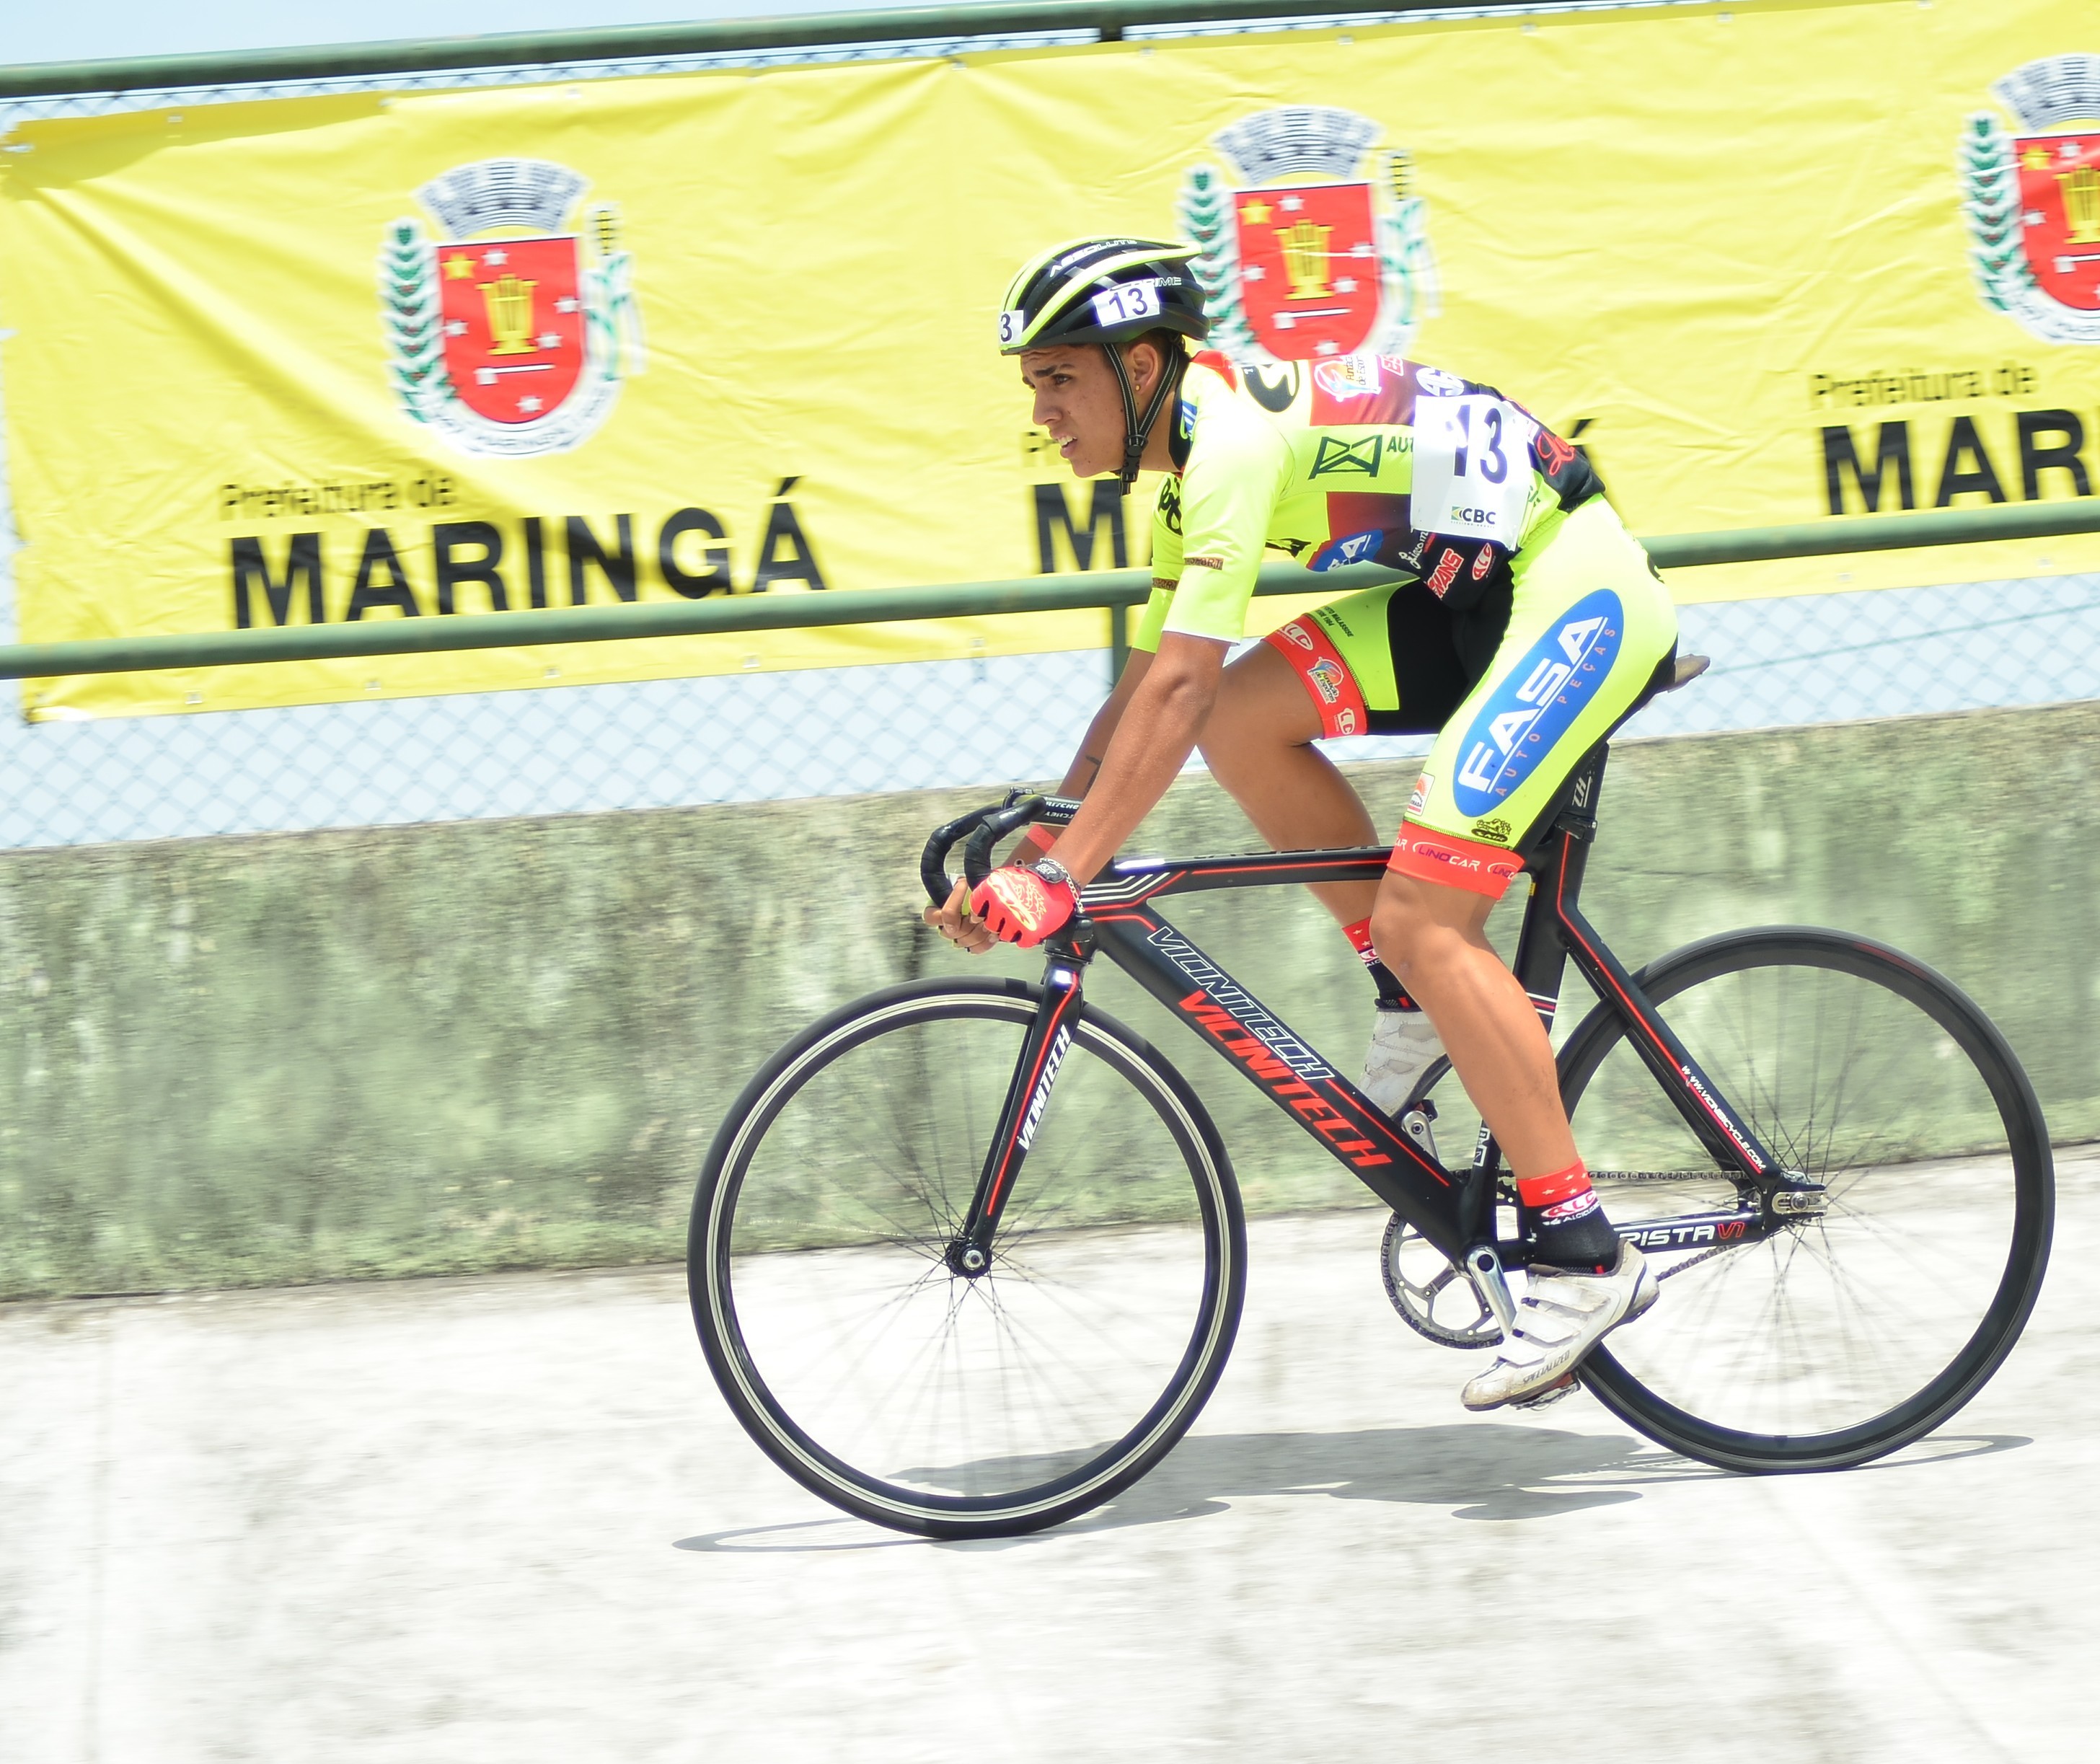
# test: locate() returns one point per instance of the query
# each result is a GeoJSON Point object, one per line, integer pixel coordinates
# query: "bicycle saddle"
{"type": "Point", "coordinates": [1688, 668]}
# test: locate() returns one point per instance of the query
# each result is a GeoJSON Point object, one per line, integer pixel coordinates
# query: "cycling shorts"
{"type": "Point", "coordinates": [1517, 691]}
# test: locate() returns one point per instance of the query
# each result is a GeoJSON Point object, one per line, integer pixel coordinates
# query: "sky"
{"type": "Point", "coordinates": [32, 30]}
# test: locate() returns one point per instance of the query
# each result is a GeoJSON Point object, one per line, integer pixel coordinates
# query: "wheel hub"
{"type": "Point", "coordinates": [1803, 1199]}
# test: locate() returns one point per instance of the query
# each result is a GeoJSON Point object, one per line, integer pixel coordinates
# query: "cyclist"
{"type": "Point", "coordinates": [1530, 623]}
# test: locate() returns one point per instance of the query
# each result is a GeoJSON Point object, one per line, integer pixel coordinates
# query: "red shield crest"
{"type": "Point", "coordinates": [513, 325]}
{"type": "Point", "coordinates": [1309, 268]}
{"type": "Point", "coordinates": [2060, 194]}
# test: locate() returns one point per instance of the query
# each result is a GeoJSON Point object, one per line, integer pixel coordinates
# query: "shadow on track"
{"type": "Point", "coordinates": [1481, 1472]}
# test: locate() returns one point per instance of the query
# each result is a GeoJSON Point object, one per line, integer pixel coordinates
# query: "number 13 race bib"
{"type": "Point", "coordinates": [1472, 467]}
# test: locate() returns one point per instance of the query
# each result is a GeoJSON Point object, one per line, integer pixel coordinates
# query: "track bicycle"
{"type": "Point", "coordinates": [967, 1256]}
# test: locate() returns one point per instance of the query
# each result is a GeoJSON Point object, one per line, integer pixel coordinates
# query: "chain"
{"type": "Point", "coordinates": [1704, 1255]}
{"type": "Point", "coordinates": [1599, 1177]}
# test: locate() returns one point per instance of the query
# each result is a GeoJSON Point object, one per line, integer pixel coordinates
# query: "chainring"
{"type": "Point", "coordinates": [1433, 1298]}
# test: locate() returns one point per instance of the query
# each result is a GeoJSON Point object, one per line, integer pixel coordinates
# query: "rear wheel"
{"type": "Point", "coordinates": [901, 1390]}
{"type": "Point", "coordinates": [1853, 1332]}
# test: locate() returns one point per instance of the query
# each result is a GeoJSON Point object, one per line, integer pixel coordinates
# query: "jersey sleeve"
{"type": "Point", "coordinates": [1165, 565]}
{"type": "Point", "coordinates": [1238, 468]}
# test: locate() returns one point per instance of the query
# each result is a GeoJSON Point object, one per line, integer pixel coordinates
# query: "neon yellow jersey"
{"type": "Point", "coordinates": [1364, 459]}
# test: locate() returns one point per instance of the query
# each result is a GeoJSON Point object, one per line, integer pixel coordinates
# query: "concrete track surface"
{"type": "Point", "coordinates": [511, 1518]}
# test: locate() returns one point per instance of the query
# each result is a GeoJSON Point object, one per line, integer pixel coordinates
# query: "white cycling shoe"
{"type": "Point", "coordinates": [1561, 1318]}
{"type": "Point", "coordinates": [1403, 1045]}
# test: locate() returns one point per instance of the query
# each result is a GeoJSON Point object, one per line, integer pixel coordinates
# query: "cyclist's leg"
{"type": "Point", "coordinates": [1433, 937]}
{"type": "Point", "coordinates": [1258, 745]}
{"type": "Point", "coordinates": [1331, 672]}
{"type": "Point", "coordinates": [1589, 623]}
{"type": "Point", "coordinates": [1326, 673]}
{"type": "Point", "coordinates": [1433, 934]}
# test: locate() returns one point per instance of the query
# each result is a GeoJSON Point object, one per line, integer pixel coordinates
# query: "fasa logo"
{"type": "Point", "coordinates": [2032, 200]}
{"type": "Point", "coordinates": [511, 333]}
{"type": "Point", "coordinates": [1535, 705]}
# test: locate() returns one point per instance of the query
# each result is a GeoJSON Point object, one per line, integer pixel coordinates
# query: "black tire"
{"type": "Point", "coordinates": [901, 1391]}
{"type": "Point", "coordinates": [1849, 1335]}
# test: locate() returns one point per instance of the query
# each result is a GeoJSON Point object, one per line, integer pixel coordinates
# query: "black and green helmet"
{"type": "Point", "coordinates": [1101, 291]}
{"type": "Point", "coordinates": [1108, 291]}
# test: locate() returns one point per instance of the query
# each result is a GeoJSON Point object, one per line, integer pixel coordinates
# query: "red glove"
{"type": "Point", "coordinates": [1019, 905]}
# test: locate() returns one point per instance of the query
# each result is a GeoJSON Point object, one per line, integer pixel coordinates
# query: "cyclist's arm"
{"type": "Point", "coordinates": [1151, 620]}
{"type": "Point", "coordinates": [1238, 467]}
{"type": "Point", "coordinates": [1143, 641]}
{"type": "Point", "coordinates": [1086, 764]}
{"type": "Point", "coordinates": [1155, 732]}
{"type": "Point", "coordinates": [953, 919]}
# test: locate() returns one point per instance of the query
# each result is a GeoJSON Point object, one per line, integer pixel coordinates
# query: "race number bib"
{"type": "Point", "coordinates": [1472, 467]}
{"type": "Point", "coordinates": [1128, 301]}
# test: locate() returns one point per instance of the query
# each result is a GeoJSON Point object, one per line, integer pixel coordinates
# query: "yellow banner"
{"type": "Point", "coordinates": [422, 355]}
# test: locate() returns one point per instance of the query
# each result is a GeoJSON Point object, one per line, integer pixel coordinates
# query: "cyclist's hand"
{"type": "Point", "coordinates": [954, 922]}
{"type": "Point", "coordinates": [1020, 906]}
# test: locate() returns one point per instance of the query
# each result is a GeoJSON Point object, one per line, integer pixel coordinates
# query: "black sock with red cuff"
{"type": "Point", "coordinates": [1390, 996]}
{"type": "Point", "coordinates": [1569, 1221]}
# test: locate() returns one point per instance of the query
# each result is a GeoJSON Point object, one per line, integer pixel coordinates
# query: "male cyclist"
{"type": "Point", "coordinates": [1532, 622]}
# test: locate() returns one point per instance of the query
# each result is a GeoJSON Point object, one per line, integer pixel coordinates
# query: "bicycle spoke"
{"type": "Point", "coordinates": [1847, 1320]}
{"type": "Point", "coordinates": [911, 1379]}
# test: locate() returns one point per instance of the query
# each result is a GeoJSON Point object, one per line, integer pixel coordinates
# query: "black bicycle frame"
{"type": "Point", "coordinates": [1453, 1210]}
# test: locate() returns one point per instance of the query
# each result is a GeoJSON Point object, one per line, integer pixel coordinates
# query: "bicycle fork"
{"type": "Point", "coordinates": [1027, 1097]}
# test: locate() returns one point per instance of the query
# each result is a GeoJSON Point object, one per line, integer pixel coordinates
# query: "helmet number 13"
{"type": "Point", "coordinates": [1131, 300]}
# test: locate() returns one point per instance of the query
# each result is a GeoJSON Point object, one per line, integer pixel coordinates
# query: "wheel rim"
{"type": "Point", "coordinates": [876, 1369]}
{"type": "Point", "coordinates": [1849, 1332]}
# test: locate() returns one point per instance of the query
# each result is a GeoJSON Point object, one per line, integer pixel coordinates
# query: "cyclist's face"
{"type": "Point", "coordinates": [1076, 401]}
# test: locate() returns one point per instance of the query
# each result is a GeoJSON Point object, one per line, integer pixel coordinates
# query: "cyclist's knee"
{"type": "Point", "coordinates": [1416, 924]}
{"type": "Point", "coordinates": [1398, 930]}
{"type": "Point", "coordinates": [1261, 708]}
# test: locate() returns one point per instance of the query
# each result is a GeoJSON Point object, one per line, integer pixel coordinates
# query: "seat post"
{"type": "Point", "coordinates": [1578, 814]}
{"type": "Point", "coordinates": [1542, 957]}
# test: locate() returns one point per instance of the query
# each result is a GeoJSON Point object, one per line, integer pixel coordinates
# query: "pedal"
{"type": "Point", "coordinates": [1552, 1394]}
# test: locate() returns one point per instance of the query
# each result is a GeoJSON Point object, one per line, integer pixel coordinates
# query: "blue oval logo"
{"type": "Point", "coordinates": [1532, 709]}
{"type": "Point", "coordinates": [1358, 548]}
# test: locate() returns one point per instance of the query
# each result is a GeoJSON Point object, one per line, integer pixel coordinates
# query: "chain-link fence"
{"type": "Point", "coordinates": [1809, 658]}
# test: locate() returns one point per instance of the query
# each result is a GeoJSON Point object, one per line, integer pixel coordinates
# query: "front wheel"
{"type": "Point", "coordinates": [910, 1394]}
{"type": "Point", "coordinates": [1853, 1332]}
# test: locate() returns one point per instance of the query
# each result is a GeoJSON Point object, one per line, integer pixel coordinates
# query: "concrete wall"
{"type": "Point", "coordinates": [503, 1044]}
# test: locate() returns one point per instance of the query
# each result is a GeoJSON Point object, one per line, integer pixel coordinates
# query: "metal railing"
{"type": "Point", "coordinates": [1112, 590]}
{"type": "Point", "coordinates": [1107, 20]}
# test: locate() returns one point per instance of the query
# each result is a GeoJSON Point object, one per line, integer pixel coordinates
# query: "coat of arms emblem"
{"type": "Point", "coordinates": [2031, 199]}
{"type": "Point", "coordinates": [1312, 246]}
{"type": "Point", "coordinates": [510, 333]}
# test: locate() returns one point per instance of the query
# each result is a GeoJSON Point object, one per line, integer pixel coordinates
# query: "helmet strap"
{"type": "Point", "coordinates": [1137, 428]}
